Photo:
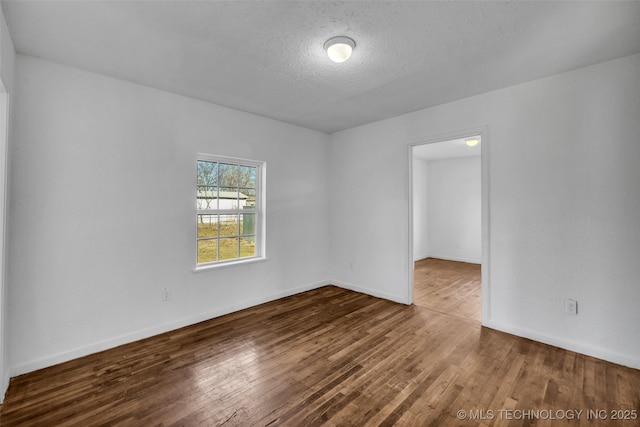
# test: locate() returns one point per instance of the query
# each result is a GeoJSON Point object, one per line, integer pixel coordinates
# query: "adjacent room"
{"type": "Point", "coordinates": [220, 213]}
{"type": "Point", "coordinates": [447, 231]}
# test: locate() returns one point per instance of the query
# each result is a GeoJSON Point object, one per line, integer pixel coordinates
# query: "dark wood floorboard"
{"type": "Point", "coordinates": [450, 287]}
{"type": "Point", "coordinates": [325, 357]}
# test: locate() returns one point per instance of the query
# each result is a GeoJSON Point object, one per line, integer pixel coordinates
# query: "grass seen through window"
{"type": "Point", "coordinates": [228, 247]}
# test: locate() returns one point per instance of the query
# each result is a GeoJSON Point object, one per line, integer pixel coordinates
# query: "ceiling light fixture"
{"type": "Point", "coordinates": [339, 48]}
{"type": "Point", "coordinates": [472, 142]}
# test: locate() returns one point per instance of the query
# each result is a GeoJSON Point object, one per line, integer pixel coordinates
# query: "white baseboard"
{"type": "Point", "coordinates": [420, 257]}
{"type": "Point", "coordinates": [106, 344]}
{"type": "Point", "coordinates": [5, 385]}
{"type": "Point", "coordinates": [588, 350]}
{"type": "Point", "coordinates": [454, 258]}
{"type": "Point", "coordinates": [371, 292]}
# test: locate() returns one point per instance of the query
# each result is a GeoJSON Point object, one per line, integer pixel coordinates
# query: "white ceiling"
{"type": "Point", "coordinates": [266, 57]}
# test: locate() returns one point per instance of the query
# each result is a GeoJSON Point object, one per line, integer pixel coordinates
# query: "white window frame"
{"type": "Point", "coordinates": [259, 210]}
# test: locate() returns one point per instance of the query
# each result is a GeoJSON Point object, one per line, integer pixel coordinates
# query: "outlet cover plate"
{"type": "Point", "coordinates": [571, 306]}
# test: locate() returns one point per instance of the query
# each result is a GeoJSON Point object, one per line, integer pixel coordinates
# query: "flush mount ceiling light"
{"type": "Point", "coordinates": [339, 48]}
{"type": "Point", "coordinates": [472, 142]}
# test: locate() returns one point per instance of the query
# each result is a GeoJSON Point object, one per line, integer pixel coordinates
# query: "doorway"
{"type": "Point", "coordinates": [448, 225]}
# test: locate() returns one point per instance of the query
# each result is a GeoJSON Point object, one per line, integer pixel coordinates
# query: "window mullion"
{"type": "Point", "coordinates": [218, 244]}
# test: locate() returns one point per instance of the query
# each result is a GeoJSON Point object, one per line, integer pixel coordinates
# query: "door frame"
{"type": "Point", "coordinates": [4, 176]}
{"type": "Point", "coordinates": [485, 210]}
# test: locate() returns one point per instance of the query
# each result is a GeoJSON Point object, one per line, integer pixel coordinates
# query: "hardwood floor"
{"type": "Point", "coordinates": [326, 357]}
{"type": "Point", "coordinates": [449, 287]}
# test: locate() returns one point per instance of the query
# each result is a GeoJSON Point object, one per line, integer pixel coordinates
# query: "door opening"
{"type": "Point", "coordinates": [447, 227]}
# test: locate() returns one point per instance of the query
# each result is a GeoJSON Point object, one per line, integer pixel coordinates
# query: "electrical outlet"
{"type": "Point", "coordinates": [166, 296]}
{"type": "Point", "coordinates": [571, 306]}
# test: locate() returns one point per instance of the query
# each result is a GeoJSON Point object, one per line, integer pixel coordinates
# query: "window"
{"type": "Point", "coordinates": [230, 210]}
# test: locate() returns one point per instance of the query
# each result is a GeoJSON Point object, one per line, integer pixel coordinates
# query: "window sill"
{"type": "Point", "coordinates": [225, 264]}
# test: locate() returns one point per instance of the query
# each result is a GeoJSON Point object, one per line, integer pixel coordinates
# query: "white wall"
{"type": "Point", "coordinates": [454, 209]}
{"type": "Point", "coordinates": [88, 148]}
{"type": "Point", "coordinates": [420, 209]}
{"type": "Point", "coordinates": [7, 65]}
{"type": "Point", "coordinates": [563, 158]}
{"type": "Point", "coordinates": [7, 54]}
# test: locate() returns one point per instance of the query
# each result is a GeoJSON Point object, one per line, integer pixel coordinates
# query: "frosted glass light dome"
{"type": "Point", "coordinates": [339, 48]}
{"type": "Point", "coordinates": [472, 142]}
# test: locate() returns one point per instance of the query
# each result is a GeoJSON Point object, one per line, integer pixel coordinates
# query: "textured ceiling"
{"type": "Point", "coordinates": [266, 57]}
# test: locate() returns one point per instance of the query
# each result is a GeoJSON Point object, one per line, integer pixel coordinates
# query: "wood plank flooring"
{"type": "Point", "coordinates": [326, 357]}
{"type": "Point", "coordinates": [449, 287]}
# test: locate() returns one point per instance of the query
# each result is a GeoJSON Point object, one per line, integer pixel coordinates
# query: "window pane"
{"type": "Point", "coordinates": [247, 176]}
{"type": "Point", "coordinates": [229, 225]}
{"type": "Point", "coordinates": [229, 248]}
{"type": "Point", "coordinates": [207, 226]}
{"type": "Point", "coordinates": [207, 251]}
{"type": "Point", "coordinates": [229, 198]}
{"type": "Point", "coordinates": [247, 246]}
{"type": "Point", "coordinates": [207, 197]}
{"type": "Point", "coordinates": [248, 224]}
{"type": "Point", "coordinates": [250, 201]}
{"type": "Point", "coordinates": [228, 175]}
{"type": "Point", "coordinates": [207, 173]}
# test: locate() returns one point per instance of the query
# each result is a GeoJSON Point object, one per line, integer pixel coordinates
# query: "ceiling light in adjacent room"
{"type": "Point", "coordinates": [339, 48]}
{"type": "Point", "coordinates": [472, 142]}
